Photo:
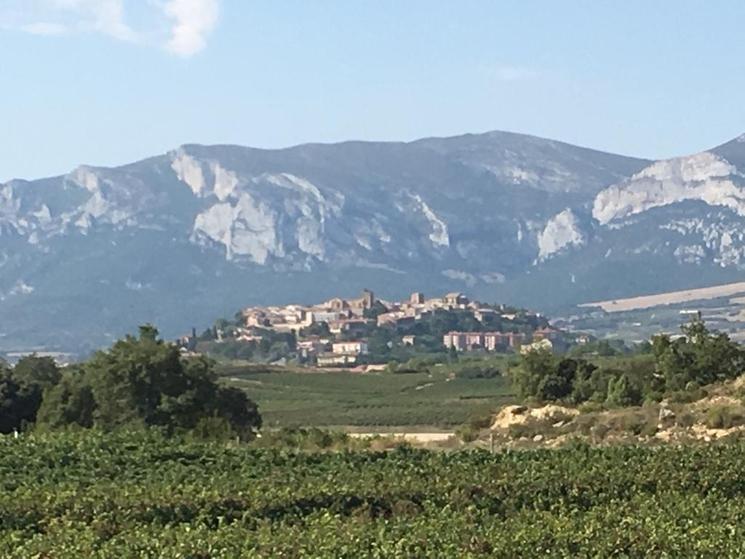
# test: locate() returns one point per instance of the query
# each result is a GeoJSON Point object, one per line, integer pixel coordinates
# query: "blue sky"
{"type": "Point", "coordinates": [107, 82]}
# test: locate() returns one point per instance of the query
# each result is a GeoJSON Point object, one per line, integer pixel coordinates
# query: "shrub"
{"type": "Point", "coordinates": [590, 407]}
{"type": "Point", "coordinates": [724, 417]}
{"type": "Point", "coordinates": [636, 422]}
{"type": "Point", "coordinates": [213, 428]}
{"type": "Point", "coordinates": [687, 396]}
{"type": "Point", "coordinates": [477, 372]}
{"type": "Point", "coordinates": [531, 428]}
{"type": "Point", "coordinates": [599, 431]}
{"type": "Point", "coordinates": [685, 419]}
{"type": "Point", "coordinates": [467, 433]}
{"type": "Point", "coordinates": [585, 424]}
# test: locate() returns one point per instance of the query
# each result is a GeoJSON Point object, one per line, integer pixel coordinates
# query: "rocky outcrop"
{"type": "Point", "coordinates": [510, 416]}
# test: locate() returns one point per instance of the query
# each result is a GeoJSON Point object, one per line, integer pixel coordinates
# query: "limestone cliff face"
{"type": "Point", "coordinates": [705, 177]}
{"type": "Point", "coordinates": [561, 232]}
{"type": "Point", "coordinates": [436, 200]}
{"type": "Point", "coordinates": [182, 237]}
{"type": "Point", "coordinates": [697, 203]}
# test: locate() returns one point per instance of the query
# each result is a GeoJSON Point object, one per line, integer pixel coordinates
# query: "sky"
{"type": "Point", "coordinates": [108, 82]}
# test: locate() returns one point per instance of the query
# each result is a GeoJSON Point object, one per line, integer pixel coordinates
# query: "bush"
{"type": "Point", "coordinates": [724, 417]}
{"type": "Point", "coordinates": [638, 423]}
{"type": "Point", "coordinates": [590, 407]}
{"type": "Point", "coordinates": [686, 396]}
{"type": "Point", "coordinates": [213, 428]}
{"type": "Point", "coordinates": [621, 392]}
{"type": "Point", "coordinates": [477, 372]}
{"type": "Point", "coordinates": [480, 422]}
{"type": "Point", "coordinates": [467, 433]}
{"type": "Point", "coordinates": [678, 368]}
{"type": "Point", "coordinates": [599, 431]}
{"type": "Point", "coordinates": [311, 439]}
{"type": "Point", "coordinates": [651, 398]}
{"type": "Point", "coordinates": [685, 419]}
{"type": "Point", "coordinates": [531, 428]}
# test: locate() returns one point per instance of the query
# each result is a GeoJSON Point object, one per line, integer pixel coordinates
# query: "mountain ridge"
{"type": "Point", "coordinates": [510, 217]}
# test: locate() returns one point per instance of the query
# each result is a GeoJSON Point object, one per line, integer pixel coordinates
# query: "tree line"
{"type": "Point", "coordinates": [666, 367]}
{"type": "Point", "coordinates": [139, 382]}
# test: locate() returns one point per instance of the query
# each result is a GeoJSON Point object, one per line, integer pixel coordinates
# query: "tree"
{"type": "Point", "coordinates": [698, 357]}
{"type": "Point", "coordinates": [622, 393]}
{"type": "Point", "coordinates": [144, 382]}
{"type": "Point", "coordinates": [320, 329]}
{"type": "Point", "coordinates": [19, 402]}
{"type": "Point", "coordinates": [233, 405]}
{"type": "Point", "coordinates": [535, 367]}
{"type": "Point", "coordinates": [542, 375]}
{"type": "Point", "coordinates": [41, 371]}
{"type": "Point", "coordinates": [376, 310]}
{"type": "Point", "coordinates": [590, 383]}
{"type": "Point", "coordinates": [69, 403]}
{"type": "Point", "coordinates": [130, 380]}
{"type": "Point", "coordinates": [22, 388]}
{"type": "Point", "coordinates": [565, 379]}
{"type": "Point", "coordinates": [452, 354]}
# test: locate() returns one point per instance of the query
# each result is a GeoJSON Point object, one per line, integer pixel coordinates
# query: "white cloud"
{"type": "Point", "coordinates": [184, 24]}
{"type": "Point", "coordinates": [193, 21]}
{"type": "Point", "coordinates": [108, 18]}
{"type": "Point", "coordinates": [102, 16]}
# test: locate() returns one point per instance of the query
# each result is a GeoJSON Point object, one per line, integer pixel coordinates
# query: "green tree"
{"type": "Point", "coordinates": [376, 310]}
{"type": "Point", "coordinates": [621, 392]}
{"type": "Point", "coordinates": [143, 381]}
{"type": "Point", "coordinates": [320, 329]}
{"type": "Point", "coordinates": [22, 389]}
{"type": "Point", "coordinates": [697, 357]}
{"type": "Point", "coordinates": [69, 403]}
{"type": "Point", "coordinates": [530, 376]}
{"type": "Point", "coordinates": [41, 371]}
{"type": "Point", "coordinates": [19, 402]}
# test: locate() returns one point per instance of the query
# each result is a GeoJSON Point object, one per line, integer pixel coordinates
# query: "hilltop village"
{"type": "Point", "coordinates": [368, 331]}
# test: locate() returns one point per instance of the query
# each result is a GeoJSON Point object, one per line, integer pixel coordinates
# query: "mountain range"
{"type": "Point", "coordinates": [183, 238]}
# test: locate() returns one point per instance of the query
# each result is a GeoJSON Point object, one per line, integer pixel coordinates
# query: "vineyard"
{"type": "Point", "coordinates": [145, 496]}
{"type": "Point", "coordinates": [292, 399]}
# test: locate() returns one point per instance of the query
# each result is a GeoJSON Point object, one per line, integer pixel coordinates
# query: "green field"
{"type": "Point", "coordinates": [138, 495]}
{"type": "Point", "coordinates": [291, 398]}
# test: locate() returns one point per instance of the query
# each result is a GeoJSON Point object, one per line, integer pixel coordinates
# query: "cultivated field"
{"type": "Point", "coordinates": [74, 495]}
{"type": "Point", "coordinates": [670, 298]}
{"type": "Point", "coordinates": [396, 401]}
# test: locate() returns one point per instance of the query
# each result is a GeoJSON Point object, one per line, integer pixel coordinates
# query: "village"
{"type": "Point", "coordinates": [338, 332]}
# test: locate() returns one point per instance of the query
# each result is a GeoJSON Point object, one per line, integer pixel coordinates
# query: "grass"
{"type": "Point", "coordinates": [291, 398]}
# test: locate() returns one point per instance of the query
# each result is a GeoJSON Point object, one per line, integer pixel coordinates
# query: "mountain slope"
{"type": "Point", "coordinates": [183, 237]}
{"type": "Point", "coordinates": [674, 224]}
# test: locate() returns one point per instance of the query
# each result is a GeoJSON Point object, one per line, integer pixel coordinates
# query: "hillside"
{"type": "Point", "coordinates": [714, 413]}
{"type": "Point", "coordinates": [183, 237]}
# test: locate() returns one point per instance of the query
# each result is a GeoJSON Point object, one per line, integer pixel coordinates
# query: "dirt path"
{"type": "Point", "coordinates": [412, 437]}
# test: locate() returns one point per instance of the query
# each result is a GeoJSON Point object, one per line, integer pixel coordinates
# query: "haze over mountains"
{"type": "Point", "coordinates": [182, 238]}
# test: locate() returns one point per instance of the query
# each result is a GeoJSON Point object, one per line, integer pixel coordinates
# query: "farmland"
{"type": "Point", "coordinates": [141, 495]}
{"type": "Point", "coordinates": [637, 318]}
{"type": "Point", "coordinates": [670, 298]}
{"type": "Point", "coordinates": [435, 398]}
